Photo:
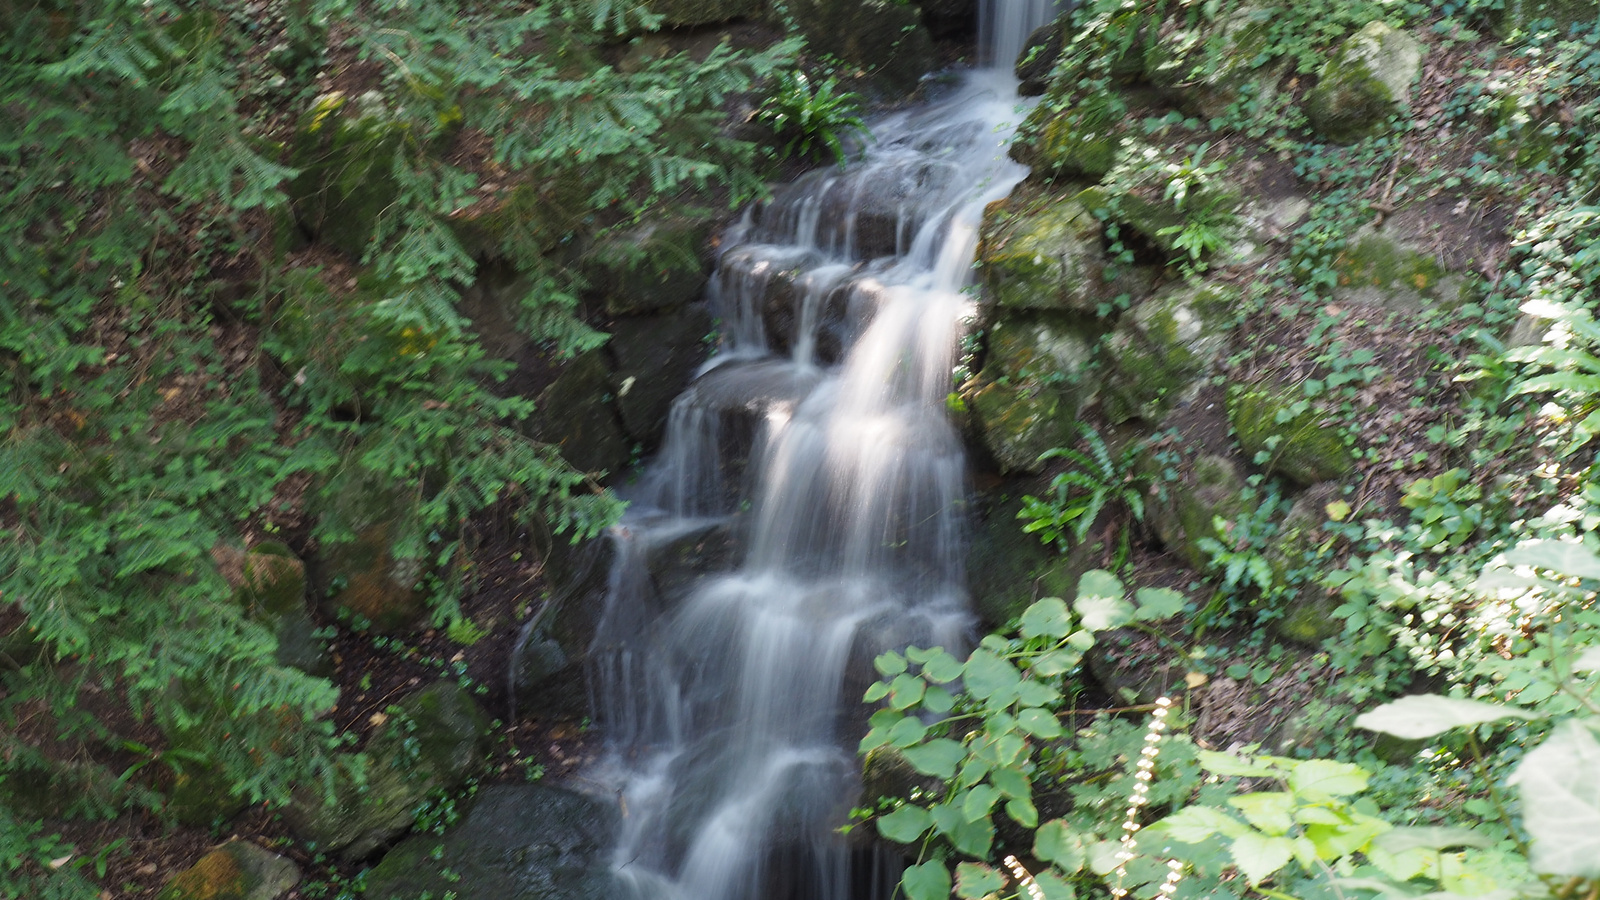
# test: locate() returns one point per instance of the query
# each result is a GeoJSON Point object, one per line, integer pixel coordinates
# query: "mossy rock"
{"type": "Point", "coordinates": [344, 148]}
{"type": "Point", "coordinates": [653, 266]}
{"type": "Point", "coordinates": [238, 870]}
{"type": "Point", "coordinates": [1067, 143]}
{"type": "Point", "coordinates": [1295, 438]}
{"type": "Point", "coordinates": [1141, 204]}
{"type": "Point", "coordinates": [884, 38]}
{"type": "Point", "coordinates": [1388, 268]}
{"type": "Point", "coordinates": [1159, 353]}
{"type": "Point", "coordinates": [1185, 511]}
{"type": "Point", "coordinates": [1301, 543]}
{"type": "Point", "coordinates": [38, 787]}
{"type": "Point", "coordinates": [518, 842]}
{"type": "Point", "coordinates": [1016, 423]}
{"type": "Point", "coordinates": [885, 772]}
{"type": "Point", "coordinates": [1203, 70]}
{"type": "Point", "coordinates": [1038, 58]}
{"type": "Point", "coordinates": [366, 577]}
{"type": "Point", "coordinates": [655, 356]}
{"type": "Point", "coordinates": [681, 13]}
{"type": "Point", "coordinates": [1051, 348]}
{"type": "Point", "coordinates": [577, 413]}
{"type": "Point", "coordinates": [431, 742]}
{"type": "Point", "coordinates": [1008, 570]}
{"type": "Point", "coordinates": [1561, 15]}
{"type": "Point", "coordinates": [1367, 80]}
{"type": "Point", "coordinates": [1045, 254]}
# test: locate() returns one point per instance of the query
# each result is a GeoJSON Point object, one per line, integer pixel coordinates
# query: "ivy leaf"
{"type": "Point", "coordinates": [1559, 784]}
{"type": "Point", "coordinates": [1039, 723]}
{"type": "Point", "coordinates": [938, 757]}
{"type": "Point", "coordinates": [1100, 603]}
{"type": "Point", "coordinates": [1258, 855]}
{"type": "Point", "coordinates": [1057, 844]}
{"type": "Point", "coordinates": [1272, 812]}
{"type": "Point", "coordinates": [1047, 618]}
{"type": "Point", "coordinates": [974, 880]}
{"type": "Point", "coordinates": [1425, 715]}
{"type": "Point", "coordinates": [905, 824]}
{"type": "Point", "coordinates": [1558, 556]}
{"type": "Point", "coordinates": [928, 881]}
{"type": "Point", "coordinates": [1158, 603]}
{"type": "Point", "coordinates": [1318, 778]}
{"type": "Point", "coordinates": [987, 674]}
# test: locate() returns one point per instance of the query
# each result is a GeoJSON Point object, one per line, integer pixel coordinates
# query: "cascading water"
{"type": "Point", "coordinates": [730, 704]}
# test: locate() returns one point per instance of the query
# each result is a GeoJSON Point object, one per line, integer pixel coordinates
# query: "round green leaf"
{"type": "Point", "coordinates": [927, 881]}
{"type": "Point", "coordinates": [1059, 845]}
{"type": "Point", "coordinates": [938, 757]}
{"type": "Point", "coordinates": [889, 664]}
{"type": "Point", "coordinates": [1039, 723]}
{"type": "Point", "coordinates": [974, 880]}
{"type": "Point", "coordinates": [1047, 618]}
{"type": "Point", "coordinates": [986, 674]}
{"type": "Point", "coordinates": [906, 691]}
{"type": "Point", "coordinates": [907, 731]}
{"type": "Point", "coordinates": [1425, 715]}
{"type": "Point", "coordinates": [1022, 811]}
{"type": "Point", "coordinates": [876, 692]}
{"type": "Point", "coordinates": [905, 825]}
{"type": "Point", "coordinates": [940, 667]}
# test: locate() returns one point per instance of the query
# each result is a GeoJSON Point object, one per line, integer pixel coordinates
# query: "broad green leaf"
{"type": "Point", "coordinates": [1047, 618]}
{"type": "Point", "coordinates": [1317, 778]}
{"type": "Point", "coordinates": [937, 700]}
{"type": "Point", "coordinates": [1056, 662]}
{"type": "Point", "coordinates": [1100, 603]}
{"type": "Point", "coordinates": [907, 731]}
{"type": "Point", "coordinates": [978, 801]}
{"type": "Point", "coordinates": [1022, 811]}
{"type": "Point", "coordinates": [1052, 887]}
{"type": "Point", "coordinates": [1193, 824]}
{"type": "Point", "coordinates": [1333, 841]}
{"type": "Point", "coordinates": [1081, 640]}
{"type": "Point", "coordinates": [1258, 856]}
{"type": "Point", "coordinates": [1272, 812]}
{"type": "Point", "coordinates": [941, 667]}
{"type": "Point", "coordinates": [970, 837]}
{"type": "Point", "coordinates": [974, 880]}
{"type": "Point", "coordinates": [1102, 857]}
{"type": "Point", "coordinates": [1559, 783]}
{"type": "Point", "coordinates": [1039, 723]}
{"type": "Point", "coordinates": [1425, 715]}
{"type": "Point", "coordinates": [1564, 557]}
{"type": "Point", "coordinates": [927, 881]}
{"type": "Point", "coordinates": [987, 674]}
{"type": "Point", "coordinates": [938, 757]}
{"type": "Point", "coordinates": [920, 655]}
{"type": "Point", "coordinates": [876, 692]}
{"type": "Point", "coordinates": [1057, 844]}
{"type": "Point", "coordinates": [905, 824]}
{"type": "Point", "coordinates": [1398, 840]}
{"type": "Point", "coordinates": [1404, 865]}
{"type": "Point", "coordinates": [1036, 693]}
{"type": "Point", "coordinates": [1012, 782]}
{"type": "Point", "coordinates": [906, 691]}
{"type": "Point", "coordinates": [1239, 766]}
{"type": "Point", "coordinates": [1156, 604]}
{"type": "Point", "coordinates": [889, 664]}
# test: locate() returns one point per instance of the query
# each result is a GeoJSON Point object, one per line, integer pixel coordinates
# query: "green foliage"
{"type": "Point", "coordinates": [1446, 508]}
{"type": "Point", "coordinates": [812, 116]}
{"type": "Point", "coordinates": [1093, 481]}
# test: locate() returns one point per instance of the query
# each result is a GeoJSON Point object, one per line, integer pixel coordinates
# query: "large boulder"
{"type": "Point", "coordinates": [882, 37]}
{"type": "Point", "coordinates": [656, 265]}
{"type": "Point", "coordinates": [1038, 59]}
{"type": "Point", "coordinates": [1367, 80]}
{"type": "Point", "coordinates": [1395, 268]}
{"type": "Point", "coordinates": [519, 842]}
{"type": "Point", "coordinates": [432, 741]}
{"type": "Point", "coordinates": [1159, 353]}
{"type": "Point", "coordinates": [1032, 387]}
{"type": "Point", "coordinates": [1082, 141]}
{"type": "Point", "coordinates": [237, 870]}
{"type": "Point", "coordinates": [367, 575]}
{"type": "Point", "coordinates": [1288, 434]}
{"type": "Point", "coordinates": [1139, 197]}
{"type": "Point", "coordinates": [272, 591]}
{"type": "Point", "coordinates": [1045, 254]}
{"type": "Point", "coordinates": [577, 414]}
{"type": "Point", "coordinates": [1186, 509]}
{"type": "Point", "coordinates": [1300, 547]}
{"type": "Point", "coordinates": [1008, 570]}
{"type": "Point", "coordinates": [949, 18]}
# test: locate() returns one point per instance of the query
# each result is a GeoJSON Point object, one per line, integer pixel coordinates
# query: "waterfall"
{"type": "Point", "coordinates": [814, 458]}
{"type": "Point", "coordinates": [1004, 26]}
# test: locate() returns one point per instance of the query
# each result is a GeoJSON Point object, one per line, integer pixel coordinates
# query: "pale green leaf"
{"type": "Point", "coordinates": [1056, 843]}
{"type": "Point", "coordinates": [1272, 812]}
{"type": "Point", "coordinates": [1559, 783]}
{"type": "Point", "coordinates": [941, 667]}
{"type": "Point", "coordinates": [1563, 557]}
{"type": "Point", "coordinates": [1053, 887]}
{"type": "Point", "coordinates": [905, 824]}
{"type": "Point", "coordinates": [1036, 693]}
{"type": "Point", "coordinates": [1194, 824]}
{"type": "Point", "coordinates": [978, 801]}
{"type": "Point", "coordinates": [1398, 840]}
{"type": "Point", "coordinates": [1317, 778]}
{"type": "Point", "coordinates": [906, 691]}
{"type": "Point", "coordinates": [907, 731]}
{"type": "Point", "coordinates": [889, 664]}
{"type": "Point", "coordinates": [877, 691]}
{"type": "Point", "coordinates": [927, 881]}
{"type": "Point", "coordinates": [1012, 782]}
{"type": "Point", "coordinates": [1587, 661]}
{"type": "Point", "coordinates": [1425, 715]}
{"type": "Point", "coordinates": [1022, 811]}
{"type": "Point", "coordinates": [1102, 857]}
{"type": "Point", "coordinates": [974, 880]}
{"type": "Point", "coordinates": [1100, 603]}
{"type": "Point", "coordinates": [1046, 618]}
{"type": "Point", "coordinates": [1258, 856]}
{"type": "Point", "coordinates": [1039, 723]}
{"type": "Point", "coordinates": [987, 674]}
{"type": "Point", "coordinates": [1056, 662]}
{"type": "Point", "coordinates": [938, 757]}
{"type": "Point", "coordinates": [1156, 604]}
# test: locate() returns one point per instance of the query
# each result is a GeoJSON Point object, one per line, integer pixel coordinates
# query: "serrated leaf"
{"type": "Point", "coordinates": [1258, 856]}
{"type": "Point", "coordinates": [1270, 811]}
{"type": "Point", "coordinates": [1425, 715]}
{"type": "Point", "coordinates": [926, 881]}
{"type": "Point", "coordinates": [1039, 723]}
{"type": "Point", "coordinates": [1156, 604]}
{"type": "Point", "coordinates": [938, 757]}
{"type": "Point", "coordinates": [1316, 778]}
{"type": "Point", "coordinates": [1559, 783]}
{"type": "Point", "coordinates": [906, 824]}
{"type": "Point", "coordinates": [1046, 618]}
{"type": "Point", "coordinates": [1102, 857]}
{"type": "Point", "coordinates": [1057, 844]}
{"type": "Point", "coordinates": [1564, 557]}
{"type": "Point", "coordinates": [974, 880]}
{"type": "Point", "coordinates": [1100, 603]}
{"type": "Point", "coordinates": [1193, 824]}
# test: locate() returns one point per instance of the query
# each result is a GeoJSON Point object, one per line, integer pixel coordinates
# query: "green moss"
{"type": "Point", "coordinates": [1367, 80]}
{"type": "Point", "coordinates": [1019, 423]}
{"type": "Point", "coordinates": [1062, 144]}
{"type": "Point", "coordinates": [1158, 351]}
{"type": "Point", "coordinates": [1184, 511]}
{"type": "Point", "coordinates": [1381, 269]}
{"type": "Point", "coordinates": [1292, 437]}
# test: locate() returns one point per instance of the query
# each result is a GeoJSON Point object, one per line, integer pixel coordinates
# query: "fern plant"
{"type": "Point", "coordinates": [1092, 481]}
{"type": "Point", "coordinates": [813, 116]}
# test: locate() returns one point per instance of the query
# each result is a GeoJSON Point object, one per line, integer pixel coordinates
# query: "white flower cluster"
{"type": "Point", "coordinates": [1141, 796]}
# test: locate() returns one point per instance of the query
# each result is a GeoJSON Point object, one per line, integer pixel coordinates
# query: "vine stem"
{"type": "Point", "coordinates": [1495, 796]}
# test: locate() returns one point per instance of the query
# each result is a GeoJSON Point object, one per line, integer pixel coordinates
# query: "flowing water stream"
{"type": "Point", "coordinates": [814, 458]}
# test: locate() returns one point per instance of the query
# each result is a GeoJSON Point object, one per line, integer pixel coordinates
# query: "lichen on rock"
{"type": "Point", "coordinates": [1157, 355]}
{"type": "Point", "coordinates": [1288, 434]}
{"type": "Point", "coordinates": [1367, 80]}
{"type": "Point", "coordinates": [1044, 253]}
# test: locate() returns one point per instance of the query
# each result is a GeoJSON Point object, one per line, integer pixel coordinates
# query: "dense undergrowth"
{"type": "Point", "coordinates": [1469, 589]}
{"type": "Point", "coordinates": [177, 374]}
